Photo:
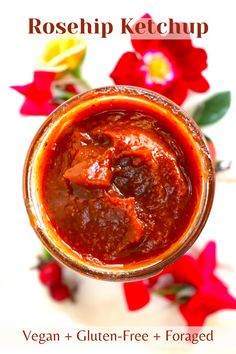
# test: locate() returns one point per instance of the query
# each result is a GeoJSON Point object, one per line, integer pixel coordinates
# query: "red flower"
{"type": "Point", "coordinates": [38, 94]}
{"type": "Point", "coordinates": [168, 66]}
{"type": "Point", "coordinates": [203, 293]}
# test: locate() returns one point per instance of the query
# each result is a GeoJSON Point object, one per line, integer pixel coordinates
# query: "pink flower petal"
{"type": "Point", "coordinates": [38, 94]}
{"type": "Point", "coordinates": [194, 311]}
{"type": "Point", "coordinates": [207, 259]}
{"type": "Point", "coordinates": [216, 295]}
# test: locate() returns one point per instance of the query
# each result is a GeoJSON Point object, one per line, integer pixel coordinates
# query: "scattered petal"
{"type": "Point", "coordinates": [137, 295]}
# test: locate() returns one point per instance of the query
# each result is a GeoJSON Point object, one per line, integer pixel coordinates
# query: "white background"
{"type": "Point", "coordinates": [23, 301]}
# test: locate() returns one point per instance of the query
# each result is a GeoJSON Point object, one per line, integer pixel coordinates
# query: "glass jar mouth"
{"type": "Point", "coordinates": [60, 118]}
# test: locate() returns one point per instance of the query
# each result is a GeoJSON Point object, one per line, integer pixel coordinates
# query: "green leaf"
{"type": "Point", "coordinates": [77, 74]}
{"type": "Point", "coordinates": [171, 290]}
{"type": "Point", "coordinates": [46, 255]}
{"type": "Point", "coordinates": [213, 109]}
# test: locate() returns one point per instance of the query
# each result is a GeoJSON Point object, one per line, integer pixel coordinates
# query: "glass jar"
{"type": "Point", "coordinates": [115, 96]}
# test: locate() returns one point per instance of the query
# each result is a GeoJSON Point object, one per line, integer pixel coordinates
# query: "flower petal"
{"type": "Point", "coordinates": [43, 81]}
{"type": "Point", "coordinates": [38, 94]}
{"type": "Point", "coordinates": [216, 295]}
{"type": "Point", "coordinates": [177, 46]}
{"type": "Point", "coordinates": [137, 295]}
{"type": "Point", "coordinates": [194, 311]}
{"type": "Point", "coordinates": [63, 53]}
{"type": "Point", "coordinates": [184, 271]}
{"type": "Point", "coordinates": [142, 46]}
{"type": "Point", "coordinates": [174, 46]}
{"type": "Point", "coordinates": [128, 70]}
{"type": "Point", "coordinates": [207, 259]}
{"type": "Point", "coordinates": [212, 297]}
{"type": "Point", "coordinates": [23, 89]}
{"type": "Point", "coordinates": [198, 84]}
{"type": "Point", "coordinates": [177, 91]}
{"type": "Point", "coordinates": [34, 108]}
{"type": "Point", "coordinates": [193, 62]}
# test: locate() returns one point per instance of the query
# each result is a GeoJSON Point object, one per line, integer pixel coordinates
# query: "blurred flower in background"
{"type": "Point", "coordinates": [189, 282]}
{"type": "Point", "coordinates": [170, 67]}
{"type": "Point", "coordinates": [38, 94]}
{"type": "Point", "coordinates": [63, 53]}
{"type": "Point", "coordinates": [58, 79]}
{"type": "Point", "coordinates": [173, 68]}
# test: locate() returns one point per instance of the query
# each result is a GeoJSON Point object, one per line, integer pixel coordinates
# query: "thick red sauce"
{"type": "Point", "coordinates": [117, 187]}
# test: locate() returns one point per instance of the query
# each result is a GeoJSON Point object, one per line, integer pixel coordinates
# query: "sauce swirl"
{"type": "Point", "coordinates": [117, 187]}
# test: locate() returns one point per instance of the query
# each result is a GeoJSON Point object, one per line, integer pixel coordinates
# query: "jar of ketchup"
{"type": "Point", "coordinates": [118, 183]}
